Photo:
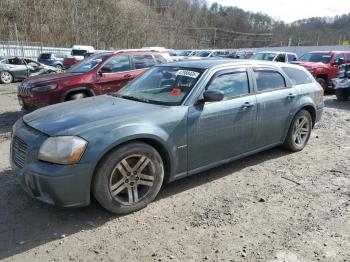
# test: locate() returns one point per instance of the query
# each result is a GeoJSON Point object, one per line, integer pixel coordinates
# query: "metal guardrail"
{"type": "Point", "coordinates": [28, 49]}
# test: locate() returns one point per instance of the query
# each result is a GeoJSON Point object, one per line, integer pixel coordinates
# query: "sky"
{"type": "Point", "coordinates": [289, 11]}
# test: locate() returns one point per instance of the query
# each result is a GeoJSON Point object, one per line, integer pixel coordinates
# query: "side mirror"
{"type": "Point", "coordinates": [213, 95]}
{"type": "Point", "coordinates": [104, 69]}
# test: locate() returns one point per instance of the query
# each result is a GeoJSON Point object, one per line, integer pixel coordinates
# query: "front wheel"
{"type": "Point", "coordinates": [342, 94]}
{"type": "Point", "coordinates": [299, 132]}
{"type": "Point", "coordinates": [128, 178]}
{"type": "Point", "coordinates": [6, 77]}
{"type": "Point", "coordinates": [76, 96]}
{"type": "Point", "coordinates": [323, 83]}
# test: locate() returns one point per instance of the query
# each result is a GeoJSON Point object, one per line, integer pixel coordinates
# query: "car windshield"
{"type": "Point", "coordinates": [88, 64]}
{"type": "Point", "coordinates": [203, 53]}
{"type": "Point", "coordinates": [316, 57]}
{"type": "Point", "coordinates": [263, 56]}
{"type": "Point", "coordinates": [164, 85]}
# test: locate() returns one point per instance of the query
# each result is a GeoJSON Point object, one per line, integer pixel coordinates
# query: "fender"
{"type": "Point", "coordinates": [87, 89]}
{"type": "Point", "coordinates": [132, 132]}
{"type": "Point", "coordinates": [304, 101]}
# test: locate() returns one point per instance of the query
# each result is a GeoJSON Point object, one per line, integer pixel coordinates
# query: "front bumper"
{"type": "Point", "coordinates": [61, 185]}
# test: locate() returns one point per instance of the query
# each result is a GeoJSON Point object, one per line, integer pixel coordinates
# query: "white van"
{"type": "Point", "coordinates": [81, 51]}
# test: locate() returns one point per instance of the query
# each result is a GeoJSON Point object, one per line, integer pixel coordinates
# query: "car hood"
{"type": "Point", "coordinates": [79, 116]}
{"type": "Point", "coordinates": [49, 77]}
{"type": "Point", "coordinates": [309, 64]}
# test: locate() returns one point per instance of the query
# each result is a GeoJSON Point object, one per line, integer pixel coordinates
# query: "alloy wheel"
{"type": "Point", "coordinates": [301, 131]}
{"type": "Point", "coordinates": [6, 77]}
{"type": "Point", "coordinates": [132, 179]}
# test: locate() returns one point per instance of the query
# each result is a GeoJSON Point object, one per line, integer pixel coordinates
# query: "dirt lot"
{"type": "Point", "coordinates": [274, 206]}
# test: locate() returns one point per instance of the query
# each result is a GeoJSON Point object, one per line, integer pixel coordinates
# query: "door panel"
{"type": "Point", "coordinates": [119, 76]}
{"type": "Point", "coordinates": [221, 130]}
{"type": "Point", "coordinates": [275, 103]}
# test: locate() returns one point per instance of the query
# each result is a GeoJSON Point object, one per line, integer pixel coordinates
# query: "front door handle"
{"type": "Point", "coordinates": [291, 96]}
{"type": "Point", "coordinates": [247, 105]}
{"type": "Point", "coordinates": [127, 76]}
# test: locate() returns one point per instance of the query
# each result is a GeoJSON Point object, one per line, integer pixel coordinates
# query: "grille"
{"type": "Point", "coordinates": [19, 151]}
{"type": "Point", "coordinates": [23, 90]}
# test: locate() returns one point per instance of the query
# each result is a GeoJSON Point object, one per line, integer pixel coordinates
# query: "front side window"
{"type": "Point", "coordinates": [165, 85]}
{"type": "Point", "coordinates": [118, 63]}
{"type": "Point", "coordinates": [268, 79]}
{"type": "Point", "coordinates": [281, 58]}
{"type": "Point", "coordinates": [143, 61]}
{"type": "Point", "coordinates": [339, 59]}
{"type": "Point", "coordinates": [232, 84]}
{"type": "Point", "coordinates": [297, 76]}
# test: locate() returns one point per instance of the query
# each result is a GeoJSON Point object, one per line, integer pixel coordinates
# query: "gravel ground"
{"type": "Point", "coordinates": [274, 206]}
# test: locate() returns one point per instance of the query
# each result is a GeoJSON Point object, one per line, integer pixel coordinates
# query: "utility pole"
{"type": "Point", "coordinates": [16, 33]}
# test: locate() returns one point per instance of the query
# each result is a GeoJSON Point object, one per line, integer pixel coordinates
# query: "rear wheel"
{"type": "Point", "coordinates": [299, 132]}
{"type": "Point", "coordinates": [6, 77]}
{"type": "Point", "coordinates": [129, 178]}
{"type": "Point", "coordinates": [342, 94]}
{"type": "Point", "coordinates": [76, 96]}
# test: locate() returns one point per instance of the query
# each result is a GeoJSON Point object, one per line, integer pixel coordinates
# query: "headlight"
{"type": "Point", "coordinates": [64, 150]}
{"type": "Point", "coordinates": [45, 88]}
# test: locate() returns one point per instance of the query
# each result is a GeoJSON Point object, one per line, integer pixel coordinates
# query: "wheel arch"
{"type": "Point", "coordinates": [152, 141]}
{"type": "Point", "coordinates": [86, 90]}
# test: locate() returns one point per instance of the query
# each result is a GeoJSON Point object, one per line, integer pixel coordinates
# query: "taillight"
{"type": "Point", "coordinates": [322, 90]}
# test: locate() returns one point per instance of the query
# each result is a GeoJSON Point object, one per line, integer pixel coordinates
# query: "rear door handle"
{"type": "Point", "coordinates": [247, 105]}
{"type": "Point", "coordinates": [291, 96]}
{"type": "Point", "coordinates": [127, 76]}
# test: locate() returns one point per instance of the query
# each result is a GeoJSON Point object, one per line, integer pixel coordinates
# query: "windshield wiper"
{"type": "Point", "coordinates": [139, 99]}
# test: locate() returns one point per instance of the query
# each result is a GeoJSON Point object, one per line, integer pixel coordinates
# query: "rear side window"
{"type": "Point", "coordinates": [232, 84]}
{"type": "Point", "coordinates": [268, 79]}
{"type": "Point", "coordinates": [119, 63]}
{"type": "Point", "coordinates": [291, 57]}
{"type": "Point", "coordinates": [297, 76]}
{"type": "Point", "coordinates": [143, 61]}
{"type": "Point", "coordinates": [159, 59]}
{"type": "Point", "coordinates": [45, 56]}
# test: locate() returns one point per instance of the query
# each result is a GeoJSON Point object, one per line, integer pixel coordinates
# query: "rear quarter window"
{"type": "Point", "coordinates": [297, 76]}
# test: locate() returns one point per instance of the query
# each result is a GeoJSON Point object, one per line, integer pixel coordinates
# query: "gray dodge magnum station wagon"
{"type": "Point", "coordinates": [175, 120]}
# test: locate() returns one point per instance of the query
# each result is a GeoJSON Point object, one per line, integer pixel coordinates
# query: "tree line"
{"type": "Point", "coordinates": [179, 24]}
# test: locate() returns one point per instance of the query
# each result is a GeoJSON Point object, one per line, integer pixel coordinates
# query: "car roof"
{"type": "Point", "coordinates": [211, 63]}
{"type": "Point", "coordinates": [328, 52]}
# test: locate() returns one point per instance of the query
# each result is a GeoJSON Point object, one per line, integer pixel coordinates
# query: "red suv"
{"type": "Point", "coordinates": [324, 65]}
{"type": "Point", "coordinates": [97, 75]}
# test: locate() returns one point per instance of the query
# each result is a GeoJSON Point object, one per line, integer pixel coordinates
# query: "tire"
{"type": "Point", "coordinates": [59, 68]}
{"type": "Point", "coordinates": [342, 94]}
{"type": "Point", "coordinates": [323, 83]}
{"type": "Point", "coordinates": [121, 189]}
{"type": "Point", "coordinates": [299, 132]}
{"type": "Point", "coordinates": [76, 96]}
{"type": "Point", "coordinates": [6, 77]}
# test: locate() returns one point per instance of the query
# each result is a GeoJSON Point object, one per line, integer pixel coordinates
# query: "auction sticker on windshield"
{"type": "Point", "coordinates": [187, 73]}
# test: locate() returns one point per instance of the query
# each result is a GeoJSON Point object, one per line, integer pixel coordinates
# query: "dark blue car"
{"type": "Point", "coordinates": [175, 120]}
{"type": "Point", "coordinates": [52, 59]}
